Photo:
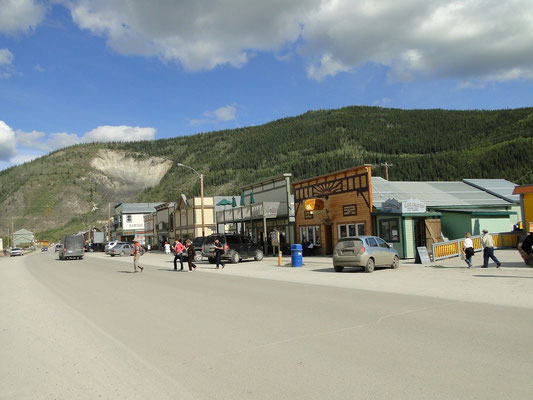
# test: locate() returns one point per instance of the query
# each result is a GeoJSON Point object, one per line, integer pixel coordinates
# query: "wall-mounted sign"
{"type": "Point", "coordinates": [128, 233]}
{"type": "Point", "coordinates": [350, 209]}
{"type": "Point", "coordinates": [314, 204]}
{"type": "Point", "coordinates": [413, 206]}
{"type": "Point", "coordinates": [405, 207]}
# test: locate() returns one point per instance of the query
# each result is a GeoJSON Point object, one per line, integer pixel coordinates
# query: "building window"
{"type": "Point", "coordinates": [388, 229]}
{"type": "Point", "coordinates": [310, 233]}
{"type": "Point", "coordinates": [351, 230]}
{"type": "Point", "coordinates": [128, 219]}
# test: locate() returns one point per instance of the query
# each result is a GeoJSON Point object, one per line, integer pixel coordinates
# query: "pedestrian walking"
{"type": "Point", "coordinates": [167, 248]}
{"type": "Point", "coordinates": [190, 255]}
{"type": "Point", "coordinates": [136, 255]}
{"type": "Point", "coordinates": [219, 250]}
{"type": "Point", "coordinates": [468, 249]}
{"type": "Point", "coordinates": [178, 254]}
{"type": "Point", "coordinates": [488, 250]}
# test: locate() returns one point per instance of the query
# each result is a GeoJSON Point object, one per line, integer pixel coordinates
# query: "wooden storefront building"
{"type": "Point", "coordinates": [343, 207]}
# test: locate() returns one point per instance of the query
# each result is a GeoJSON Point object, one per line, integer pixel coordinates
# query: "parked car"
{"type": "Point", "coordinates": [198, 243]}
{"type": "Point", "coordinates": [110, 245]}
{"type": "Point", "coordinates": [120, 249]}
{"type": "Point", "coordinates": [96, 247]}
{"type": "Point", "coordinates": [16, 251]}
{"type": "Point", "coordinates": [72, 247]}
{"type": "Point", "coordinates": [44, 248]}
{"type": "Point", "coordinates": [236, 248]}
{"type": "Point", "coordinates": [364, 251]}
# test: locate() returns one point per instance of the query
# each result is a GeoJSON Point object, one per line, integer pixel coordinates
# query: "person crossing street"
{"type": "Point", "coordinates": [178, 254]}
{"type": "Point", "coordinates": [488, 250]}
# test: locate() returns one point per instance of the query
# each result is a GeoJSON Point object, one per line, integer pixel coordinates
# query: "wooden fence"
{"type": "Point", "coordinates": [453, 248]}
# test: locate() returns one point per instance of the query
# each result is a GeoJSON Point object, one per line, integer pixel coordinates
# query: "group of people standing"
{"type": "Point", "coordinates": [487, 244]}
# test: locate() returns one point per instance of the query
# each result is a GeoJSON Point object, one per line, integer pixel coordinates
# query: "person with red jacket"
{"type": "Point", "coordinates": [178, 248]}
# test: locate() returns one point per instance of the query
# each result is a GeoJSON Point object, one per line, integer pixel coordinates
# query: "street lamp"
{"type": "Point", "coordinates": [201, 176]}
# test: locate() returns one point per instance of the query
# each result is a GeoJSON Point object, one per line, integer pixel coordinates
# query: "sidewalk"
{"type": "Point", "coordinates": [510, 285]}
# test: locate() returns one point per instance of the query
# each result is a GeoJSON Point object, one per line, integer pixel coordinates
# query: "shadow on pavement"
{"type": "Point", "coordinates": [502, 276]}
{"type": "Point", "coordinates": [127, 272]}
{"type": "Point", "coordinates": [349, 270]}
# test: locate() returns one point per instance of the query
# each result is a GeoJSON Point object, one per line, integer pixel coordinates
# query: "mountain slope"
{"type": "Point", "coordinates": [71, 188]}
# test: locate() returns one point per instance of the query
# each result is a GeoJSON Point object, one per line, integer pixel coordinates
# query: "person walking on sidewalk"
{"type": "Point", "coordinates": [178, 254]}
{"type": "Point", "coordinates": [488, 250]}
{"type": "Point", "coordinates": [136, 255]}
{"type": "Point", "coordinates": [468, 249]}
{"type": "Point", "coordinates": [190, 255]}
{"type": "Point", "coordinates": [219, 250]}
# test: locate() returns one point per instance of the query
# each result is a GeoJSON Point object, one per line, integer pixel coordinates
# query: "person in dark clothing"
{"type": "Point", "coordinates": [190, 255]}
{"type": "Point", "coordinates": [527, 244]}
{"type": "Point", "coordinates": [219, 250]}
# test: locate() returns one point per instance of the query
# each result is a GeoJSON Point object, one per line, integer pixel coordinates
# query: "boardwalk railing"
{"type": "Point", "coordinates": [453, 248]}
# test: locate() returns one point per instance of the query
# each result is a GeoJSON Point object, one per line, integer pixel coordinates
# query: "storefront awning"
{"type": "Point", "coordinates": [266, 209]}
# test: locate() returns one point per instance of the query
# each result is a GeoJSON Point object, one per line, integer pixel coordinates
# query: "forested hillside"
{"type": "Point", "coordinates": [64, 190]}
{"type": "Point", "coordinates": [422, 145]}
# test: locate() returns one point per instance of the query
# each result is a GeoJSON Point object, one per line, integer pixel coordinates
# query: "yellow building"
{"type": "Point", "coordinates": [526, 202]}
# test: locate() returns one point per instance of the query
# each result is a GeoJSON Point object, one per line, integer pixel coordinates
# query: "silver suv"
{"type": "Point", "coordinates": [364, 251]}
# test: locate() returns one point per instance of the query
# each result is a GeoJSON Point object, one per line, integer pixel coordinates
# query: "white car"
{"type": "Point", "coordinates": [110, 245]}
{"type": "Point", "coordinates": [16, 251]}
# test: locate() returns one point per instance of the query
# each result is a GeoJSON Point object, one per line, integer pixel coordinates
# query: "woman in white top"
{"type": "Point", "coordinates": [167, 248]}
{"type": "Point", "coordinates": [468, 249]}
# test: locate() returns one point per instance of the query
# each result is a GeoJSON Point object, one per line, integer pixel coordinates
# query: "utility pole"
{"type": "Point", "coordinates": [108, 222]}
{"type": "Point", "coordinates": [386, 165]}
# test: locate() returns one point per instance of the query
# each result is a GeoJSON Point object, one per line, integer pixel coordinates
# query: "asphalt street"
{"type": "Point", "coordinates": [93, 329]}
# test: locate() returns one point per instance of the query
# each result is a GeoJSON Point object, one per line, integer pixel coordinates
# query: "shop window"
{"type": "Point", "coordinates": [311, 233]}
{"type": "Point", "coordinates": [351, 230]}
{"type": "Point", "coordinates": [389, 230]}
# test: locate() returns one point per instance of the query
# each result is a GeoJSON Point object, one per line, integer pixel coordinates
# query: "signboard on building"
{"type": "Point", "coordinates": [410, 206]}
{"type": "Point", "coordinates": [350, 209]}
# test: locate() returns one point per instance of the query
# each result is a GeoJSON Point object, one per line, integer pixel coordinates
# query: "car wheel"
{"type": "Point", "coordinates": [211, 260]}
{"type": "Point", "coordinates": [338, 268]}
{"type": "Point", "coordinates": [235, 257]}
{"type": "Point", "coordinates": [197, 255]}
{"type": "Point", "coordinates": [395, 262]}
{"type": "Point", "coordinates": [112, 255]}
{"type": "Point", "coordinates": [258, 255]}
{"type": "Point", "coordinates": [369, 267]}
{"type": "Point", "coordinates": [123, 253]}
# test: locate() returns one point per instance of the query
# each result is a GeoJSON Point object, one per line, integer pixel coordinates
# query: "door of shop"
{"type": "Point", "coordinates": [420, 233]}
{"type": "Point", "coordinates": [433, 232]}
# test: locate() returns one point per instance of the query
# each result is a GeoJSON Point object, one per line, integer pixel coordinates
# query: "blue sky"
{"type": "Point", "coordinates": [76, 71]}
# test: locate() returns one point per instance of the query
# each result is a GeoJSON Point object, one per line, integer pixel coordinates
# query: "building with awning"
{"type": "Point", "coordinates": [265, 207]}
{"type": "Point", "coordinates": [418, 214]}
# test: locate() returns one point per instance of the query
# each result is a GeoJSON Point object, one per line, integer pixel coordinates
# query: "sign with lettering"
{"type": "Point", "coordinates": [350, 209]}
{"type": "Point", "coordinates": [392, 206]}
{"type": "Point", "coordinates": [413, 206]}
{"type": "Point", "coordinates": [410, 206]}
{"type": "Point", "coordinates": [422, 255]}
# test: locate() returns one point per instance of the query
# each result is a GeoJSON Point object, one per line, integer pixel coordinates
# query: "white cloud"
{"type": "Point", "coordinates": [121, 133]}
{"type": "Point", "coordinates": [198, 34]}
{"type": "Point", "coordinates": [6, 58]}
{"type": "Point", "coordinates": [222, 114]}
{"type": "Point", "coordinates": [7, 142]}
{"type": "Point", "coordinates": [464, 39]}
{"type": "Point", "coordinates": [20, 15]}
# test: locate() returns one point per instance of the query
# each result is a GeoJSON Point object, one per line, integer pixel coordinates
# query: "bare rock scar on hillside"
{"type": "Point", "coordinates": [119, 171]}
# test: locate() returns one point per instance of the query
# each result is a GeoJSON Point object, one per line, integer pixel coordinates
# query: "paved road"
{"type": "Point", "coordinates": [91, 329]}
